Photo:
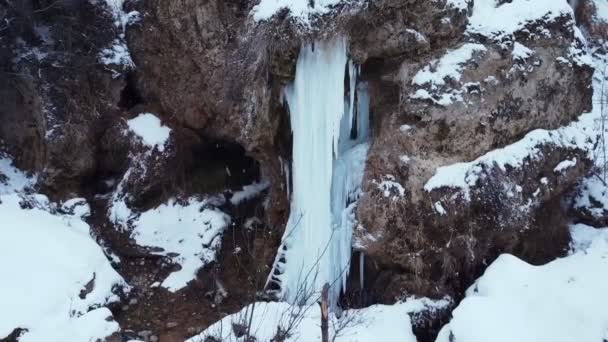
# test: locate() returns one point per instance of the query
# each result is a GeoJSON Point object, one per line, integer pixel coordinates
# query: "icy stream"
{"type": "Point", "coordinates": [330, 127]}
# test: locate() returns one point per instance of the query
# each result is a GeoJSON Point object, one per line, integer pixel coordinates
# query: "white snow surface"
{"type": "Point", "coordinates": [565, 164]}
{"type": "Point", "coordinates": [601, 7]}
{"type": "Point", "coordinates": [521, 52]}
{"type": "Point", "coordinates": [448, 66]}
{"type": "Point", "coordinates": [249, 191]}
{"type": "Point", "coordinates": [47, 259]}
{"type": "Point", "coordinates": [375, 323]}
{"type": "Point", "coordinates": [562, 301]}
{"type": "Point", "coordinates": [188, 232]}
{"type": "Point", "coordinates": [496, 22]}
{"type": "Point", "coordinates": [11, 178]}
{"type": "Point", "coordinates": [299, 9]}
{"type": "Point", "coordinates": [150, 130]}
{"type": "Point", "coordinates": [593, 196]}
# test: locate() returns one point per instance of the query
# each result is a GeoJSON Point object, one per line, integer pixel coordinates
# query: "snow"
{"type": "Point", "coordinates": [11, 178]}
{"type": "Point", "coordinates": [327, 171]}
{"type": "Point", "coordinates": [149, 128]}
{"type": "Point", "coordinates": [249, 192]}
{"type": "Point", "coordinates": [521, 52]}
{"type": "Point", "coordinates": [299, 9]}
{"type": "Point", "coordinates": [118, 52]}
{"type": "Point", "coordinates": [390, 188]}
{"type": "Point", "coordinates": [461, 5]}
{"type": "Point", "coordinates": [449, 66]}
{"type": "Point", "coordinates": [497, 22]}
{"type": "Point", "coordinates": [593, 196]}
{"type": "Point", "coordinates": [563, 165]}
{"type": "Point", "coordinates": [440, 209]}
{"type": "Point", "coordinates": [404, 159]}
{"type": "Point", "coordinates": [601, 7]}
{"type": "Point", "coordinates": [584, 236]}
{"type": "Point", "coordinates": [375, 323]}
{"type": "Point", "coordinates": [47, 259]}
{"type": "Point", "coordinates": [405, 129]}
{"type": "Point", "coordinates": [434, 77]}
{"type": "Point", "coordinates": [562, 301]}
{"type": "Point", "coordinates": [188, 232]}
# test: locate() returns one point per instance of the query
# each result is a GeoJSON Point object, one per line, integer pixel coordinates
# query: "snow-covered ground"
{"type": "Point", "coordinates": [55, 278]}
{"type": "Point", "coordinates": [375, 323]}
{"type": "Point", "coordinates": [190, 233]}
{"type": "Point", "coordinates": [562, 301]}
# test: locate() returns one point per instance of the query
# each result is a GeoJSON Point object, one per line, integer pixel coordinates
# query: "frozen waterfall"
{"type": "Point", "coordinates": [330, 127]}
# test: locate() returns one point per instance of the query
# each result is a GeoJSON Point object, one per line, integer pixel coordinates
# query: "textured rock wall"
{"type": "Point", "coordinates": [214, 75]}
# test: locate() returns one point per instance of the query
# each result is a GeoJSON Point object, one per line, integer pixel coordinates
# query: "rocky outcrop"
{"type": "Point", "coordinates": [450, 181]}
{"type": "Point", "coordinates": [55, 93]}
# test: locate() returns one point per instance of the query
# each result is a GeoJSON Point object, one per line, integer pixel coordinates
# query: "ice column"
{"type": "Point", "coordinates": [316, 245]}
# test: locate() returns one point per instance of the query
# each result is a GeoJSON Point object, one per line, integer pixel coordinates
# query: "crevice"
{"type": "Point", "coordinates": [130, 95]}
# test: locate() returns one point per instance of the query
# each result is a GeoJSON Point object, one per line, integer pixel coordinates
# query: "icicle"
{"type": "Point", "coordinates": [362, 112]}
{"type": "Point", "coordinates": [361, 270]}
{"type": "Point", "coordinates": [352, 73]}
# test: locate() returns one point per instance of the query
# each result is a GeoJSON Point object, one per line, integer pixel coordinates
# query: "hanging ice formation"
{"type": "Point", "coordinates": [330, 131]}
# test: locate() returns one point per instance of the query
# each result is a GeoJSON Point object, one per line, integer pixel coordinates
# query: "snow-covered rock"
{"type": "Point", "coordinates": [562, 301]}
{"type": "Point", "coordinates": [55, 278]}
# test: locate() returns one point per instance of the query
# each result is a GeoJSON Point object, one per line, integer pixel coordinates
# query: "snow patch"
{"type": "Point", "coordinates": [440, 209]}
{"type": "Point", "coordinates": [390, 188]}
{"type": "Point", "coordinates": [593, 196]}
{"type": "Point", "coordinates": [461, 5]}
{"type": "Point", "coordinates": [437, 77]}
{"type": "Point", "coordinates": [188, 232]}
{"type": "Point", "coordinates": [249, 192]}
{"type": "Point", "coordinates": [521, 52]}
{"type": "Point", "coordinates": [566, 164]}
{"type": "Point", "coordinates": [499, 21]}
{"type": "Point", "coordinates": [11, 178]}
{"type": "Point", "coordinates": [150, 130]}
{"type": "Point", "coordinates": [118, 53]}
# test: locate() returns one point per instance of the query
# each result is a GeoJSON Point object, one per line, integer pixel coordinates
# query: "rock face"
{"type": "Point", "coordinates": [475, 139]}
{"type": "Point", "coordinates": [55, 93]}
{"type": "Point", "coordinates": [473, 98]}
